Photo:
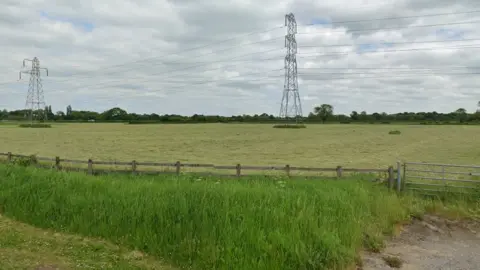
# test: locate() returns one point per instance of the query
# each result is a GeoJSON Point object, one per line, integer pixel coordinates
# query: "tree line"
{"type": "Point", "coordinates": [320, 114]}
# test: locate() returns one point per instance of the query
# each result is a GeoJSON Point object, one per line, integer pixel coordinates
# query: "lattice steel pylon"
{"type": "Point", "coordinates": [291, 107]}
{"type": "Point", "coordinates": [35, 103]}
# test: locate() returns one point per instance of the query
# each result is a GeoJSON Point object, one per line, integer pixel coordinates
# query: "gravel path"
{"type": "Point", "coordinates": [431, 244]}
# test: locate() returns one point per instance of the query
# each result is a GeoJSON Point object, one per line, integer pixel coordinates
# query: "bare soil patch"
{"type": "Point", "coordinates": [430, 243]}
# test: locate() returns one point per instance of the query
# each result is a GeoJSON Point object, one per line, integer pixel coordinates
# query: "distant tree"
{"type": "Point", "coordinates": [354, 116]}
{"type": "Point", "coordinates": [48, 112]}
{"type": "Point", "coordinates": [461, 115]}
{"type": "Point", "coordinates": [323, 111]}
{"type": "Point", "coordinates": [478, 105]}
{"type": "Point", "coordinates": [461, 111]}
{"type": "Point", "coordinates": [377, 116]}
{"type": "Point", "coordinates": [69, 110]}
{"type": "Point", "coordinates": [3, 114]}
{"type": "Point", "coordinates": [114, 114]}
{"type": "Point", "coordinates": [363, 116]}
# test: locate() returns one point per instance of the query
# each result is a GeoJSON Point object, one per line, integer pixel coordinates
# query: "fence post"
{"type": "Point", "coordinates": [443, 175]}
{"type": "Point", "coordinates": [90, 167]}
{"type": "Point", "coordinates": [33, 159]}
{"type": "Point", "coordinates": [238, 170]}
{"type": "Point", "coordinates": [399, 176]}
{"type": "Point", "coordinates": [339, 171]}
{"type": "Point", "coordinates": [287, 170]}
{"type": "Point", "coordinates": [177, 167]}
{"type": "Point", "coordinates": [404, 182]}
{"type": "Point", "coordinates": [390, 177]}
{"type": "Point", "coordinates": [57, 163]}
{"type": "Point", "coordinates": [9, 156]}
{"type": "Point", "coordinates": [134, 167]}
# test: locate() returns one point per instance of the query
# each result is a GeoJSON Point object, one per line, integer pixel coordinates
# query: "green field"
{"type": "Point", "coordinates": [354, 146]}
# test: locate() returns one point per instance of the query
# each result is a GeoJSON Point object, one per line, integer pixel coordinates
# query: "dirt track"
{"type": "Point", "coordinates": [431, 243]}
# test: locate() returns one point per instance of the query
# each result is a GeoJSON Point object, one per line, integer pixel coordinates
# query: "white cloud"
{"type": "Point", "coordinates": [138, 55]}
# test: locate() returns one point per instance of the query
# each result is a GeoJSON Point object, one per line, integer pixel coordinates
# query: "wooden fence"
{"type": "Point", "coordinates": [393, 175]}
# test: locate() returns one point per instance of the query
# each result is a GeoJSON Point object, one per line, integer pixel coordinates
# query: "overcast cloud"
{"type": "Point", "coordinates": [139, 55]}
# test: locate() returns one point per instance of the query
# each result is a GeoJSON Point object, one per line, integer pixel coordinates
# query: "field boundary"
{"type": "Point", "coordinates": [433, 177]}
{"type": "Point", "coordinates": [393, 174]}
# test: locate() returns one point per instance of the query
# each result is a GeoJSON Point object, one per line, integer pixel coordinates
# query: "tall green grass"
{"type": "Point", "coordinates": [207, 223]}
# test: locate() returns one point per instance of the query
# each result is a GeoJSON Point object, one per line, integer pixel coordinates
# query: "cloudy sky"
{"type": "Point", "coordinates": [227, 57]}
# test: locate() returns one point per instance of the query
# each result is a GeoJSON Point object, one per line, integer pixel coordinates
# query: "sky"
{"type": "Point", "coordinates": [227, 57]}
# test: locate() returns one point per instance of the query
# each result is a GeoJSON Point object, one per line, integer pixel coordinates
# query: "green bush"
{"type": "Point", "coordinates": [208, 223]}
{"type": "Point", "coordinates": [25, 161]}
{"type": "Point", "coordinates": [35, 125]}
{"type": "Point", "coordinates": [394, 132]}
{"type": "Point", "coordinates": [290, 126]}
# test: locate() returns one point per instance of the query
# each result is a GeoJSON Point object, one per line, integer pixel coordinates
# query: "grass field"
{"type": "Point", "coordinates": [361, 146]}
{"type": "Point", "coordinates": [25, 247]}
{"type": "Point", "coordinates": [210, 223]}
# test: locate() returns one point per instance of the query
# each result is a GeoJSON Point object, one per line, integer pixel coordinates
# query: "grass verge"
{"type": "Point", "coordinates": [206, 223]}
{"type": "Point", "coordinates": [25, 247]}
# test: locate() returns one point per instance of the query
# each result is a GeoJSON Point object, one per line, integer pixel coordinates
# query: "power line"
{"type": "Point", "coordinates": [209, 53]}
{"type": "Point", "coordinates": [399, 18]}
{"type": "Point", "coordinates": [305, 77]}
{"type": "Point", "coordinates": [279, 76]}
{"type": "Point", "coordinates": [274, 28]}
{"type": "Point", "coordinates": [316, 46]}
{"type": "Point", "coordinates": [389, 51]}
{"type": "Point", "coordinates": [277, 38]}
{"type": "Point", "coordinates": [393, 68]}
{"type": "Point", "coordinates": [299, 47]}
{"type": "Point", "coordinates": [390, 43]}
{"type": "Point", "coordinates": [230, 79]}
{"type": "Point", "coordinates": [185, 68]}
{"type": "Point", "coordinates": [274, 39]}
{"type": "Point", "coordinates": [203, 64]}
{"type": "Point", "coordinates": [189, 49]}
{"type": "Point", "coordinates": [248, 60]}
{"type": "Point", "coordinates": [185, 50]}
{"type": "Point", "coordinates": [279, 27]}
{"type": "Point", "coordinates": [123, 81]}
{"type": "Point", "coordinates": [397, 72]}
{"type": "Point", "coordinates": [413, 75]}
{"type": "Point", "coordinates": [278, 79]}
{"type": "Point", "coordinates": [388, 28]}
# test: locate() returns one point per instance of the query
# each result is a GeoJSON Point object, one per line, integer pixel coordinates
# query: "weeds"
{"type": "Point", "coordinates": [392, 261]}
{"type": "Point", "coordinates": [394, 132]}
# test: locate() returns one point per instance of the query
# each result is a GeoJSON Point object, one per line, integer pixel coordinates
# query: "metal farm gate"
{"type": "Point", "coordinates": [432, 178]}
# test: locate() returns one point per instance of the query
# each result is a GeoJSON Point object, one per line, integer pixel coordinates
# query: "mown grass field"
{"type": "Point", "coordinates": [354, 146]}
{"type": "Point", "coordinates": [209, 223]}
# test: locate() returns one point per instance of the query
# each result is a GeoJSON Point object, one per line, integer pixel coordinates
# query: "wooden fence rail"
{"type": "Point", "coordinates": [339, 170]}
